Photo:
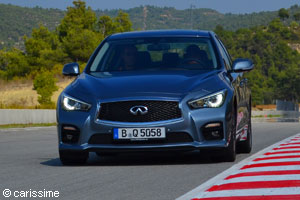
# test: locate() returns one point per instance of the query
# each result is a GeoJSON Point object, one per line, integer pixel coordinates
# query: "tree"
{"type": "Point", "coordinates": [77, 32]}
{"type": "Point", "coordinates": [297, 16]}
{"type": "Point", "coordinates": [77, 18]}
{"type": "Point", "coordinates": [80, 32]}
{"type": "Point", "coordinates": [43, 49]}
{"type": "Point", "coordinates": [123, 23]}
{"type": "Point", "coordinates": [287, 84]}
{"type": "Point", "coordinates": [79, 46]}
{"type": "Point", "coordinates": [277, 69]}
{"type": "Point", "coordinates": [283, 14]}
{"type": "Point", "coordinates": [108, 25]}
{"type": "Point", "coordinates": [13, 63]}
{"type": "Point", "coordinates": [41, 38]}
{"type": "Point", "coordinates": [44, 84]}
{"type": "Point", "coordinates": [294, 25]}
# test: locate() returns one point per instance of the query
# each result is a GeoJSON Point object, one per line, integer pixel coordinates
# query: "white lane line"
{"type": "Point", "coordinates": [270, 156]}
{"type": "Point", "coordinates": [277, 168]}
{"type": "Point", "coordinates": [258, 166]}
{"type": "Point", "coordinates": [275, 160]}
{"type": "Point", "coordinates": [262, 178]}
{"type": "Point", "coordinates": [215, 180]}
{"type": "Point", "coordinates": [278, 151]}
{"type": "Point", "coordinates": [278, 172]}
{"type": "Point", "coordinates": [290, 144]}
{"type": "Point", "coordinates": [284, 153]}
{"type": "Point", "coordinates": [249, 192]}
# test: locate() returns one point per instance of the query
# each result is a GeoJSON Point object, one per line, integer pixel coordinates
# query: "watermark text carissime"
{"type": "Point", "coordinates": [30, 193]}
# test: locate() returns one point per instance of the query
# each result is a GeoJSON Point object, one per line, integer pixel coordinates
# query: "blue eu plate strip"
{"type": "Point", "coordinates": [116, 135]}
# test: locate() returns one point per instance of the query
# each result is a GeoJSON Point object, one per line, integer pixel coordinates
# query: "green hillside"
{"type": "Point", "coordinates": [151, 17]}
{"type": "Point", "coordinates": [16, 21]}
{"type": "Point", "coordinates": [274, 49]}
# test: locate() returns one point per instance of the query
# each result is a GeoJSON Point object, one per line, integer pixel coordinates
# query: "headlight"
{"type": "Point", "coordinates": [69, 103]}
{"type": "Point", "coordinates": [212, 101]}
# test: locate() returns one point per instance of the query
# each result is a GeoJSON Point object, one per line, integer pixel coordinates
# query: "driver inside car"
{"type": "Point", "coordinates": [129, 58]}
{"type": "Point", "coordinates": [194, 55]}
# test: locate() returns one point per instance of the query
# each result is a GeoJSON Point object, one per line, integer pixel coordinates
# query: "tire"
{"type": "Point", "coordinates": [73, 157]}
{"type": "Point", "coordinates": [246, 146]}
{"type": "Point", "coordinates": [230, 151]}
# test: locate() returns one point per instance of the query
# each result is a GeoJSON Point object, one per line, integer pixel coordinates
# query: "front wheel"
{"type": "Point", "coordinates": [230, 151]}
{"type": "Point", "coordinates": [246, 146]}
{"type": "Point", "coordinates": [73, 158]}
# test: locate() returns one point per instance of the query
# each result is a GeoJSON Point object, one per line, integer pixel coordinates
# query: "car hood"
{"type": "Point", "coordinates": [169, 84]}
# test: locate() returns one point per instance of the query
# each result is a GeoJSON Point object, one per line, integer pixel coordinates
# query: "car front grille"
{"type": "Point", "coordinates": [157, 111]}
{"type": "Point", "coordinates": [171, 137]}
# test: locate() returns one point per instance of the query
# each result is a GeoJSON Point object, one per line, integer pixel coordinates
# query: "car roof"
{"type": "Point", "coordinates": [160, 33]}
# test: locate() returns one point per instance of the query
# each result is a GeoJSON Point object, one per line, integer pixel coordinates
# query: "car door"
{"type": "Point", "coordinates": [240, 87]}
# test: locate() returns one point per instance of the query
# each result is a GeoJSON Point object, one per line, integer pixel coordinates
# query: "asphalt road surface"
{"type": "Point", "coordinates": [29, 162]}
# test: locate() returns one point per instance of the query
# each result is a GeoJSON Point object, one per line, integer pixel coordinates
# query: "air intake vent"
{"type": "Point", "coordinates": [157, 111]}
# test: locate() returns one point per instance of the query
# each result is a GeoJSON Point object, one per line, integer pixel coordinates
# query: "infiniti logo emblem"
{"type": "Point", "coordinates": [139, 110]}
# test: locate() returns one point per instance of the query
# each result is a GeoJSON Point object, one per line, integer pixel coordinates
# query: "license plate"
{"type": "Point", "coordinates": [139, 133]}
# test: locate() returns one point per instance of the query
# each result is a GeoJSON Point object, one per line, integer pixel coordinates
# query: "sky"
{"type": "Point", "coordinates": [224, 6]}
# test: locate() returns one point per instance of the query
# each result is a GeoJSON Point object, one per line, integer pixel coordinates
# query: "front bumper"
{"type": "Point", "coordinates": [191, 123]}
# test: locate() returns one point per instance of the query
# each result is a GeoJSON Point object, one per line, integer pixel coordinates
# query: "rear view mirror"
{"type": "Point", "coordinates": [158, 47]}
{"type": "Point", "coordinates": [71, 69]}
{"type": "Point", "coordinates": [242, 65]}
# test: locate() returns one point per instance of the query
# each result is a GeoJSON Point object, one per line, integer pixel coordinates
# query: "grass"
{"type": "Point", "coordinates": [26, 125]}
{"type": "Point", "coordinates": [20, 94]}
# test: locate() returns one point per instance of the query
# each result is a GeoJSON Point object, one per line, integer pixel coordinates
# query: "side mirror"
{"type": "Point", "coordinates": [71, 69]}
{"type": "Point", "coordinates": [242, 65]}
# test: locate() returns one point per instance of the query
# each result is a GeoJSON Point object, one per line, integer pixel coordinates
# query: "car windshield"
{"type": "Point", "coordinates": [155, 54]}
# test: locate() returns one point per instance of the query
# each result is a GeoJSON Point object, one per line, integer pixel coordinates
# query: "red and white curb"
{"type": "Point", "coordinates": [271, 174]}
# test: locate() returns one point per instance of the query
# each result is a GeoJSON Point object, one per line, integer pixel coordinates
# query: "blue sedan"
{"type": "Point", "coordinates": [175, 90]}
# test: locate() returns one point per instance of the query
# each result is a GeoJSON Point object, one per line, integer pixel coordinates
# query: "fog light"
{"type": "Point", "coordinates": [69, 137]}
{"type": "Point", "coordinates": [215, 134]}
{"type": "Point", "coordinates": [69, 134]}
{"type": "Point", "coordinates": [213, 125]}
{"type": "Point", "coordinates": [69, 128]}
{"type": "Point", "coordinates": [213, 131]}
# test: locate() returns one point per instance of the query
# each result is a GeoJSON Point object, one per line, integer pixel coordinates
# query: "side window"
{"type": "Point", "coordinates": [225, 55]}
{"type": "Point", "coordinates": [96, 62]}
